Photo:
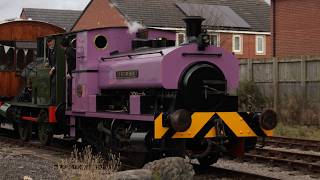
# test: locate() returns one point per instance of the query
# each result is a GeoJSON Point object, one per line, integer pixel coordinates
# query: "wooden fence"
{"type": "Point", "coordinates": [281, 79]}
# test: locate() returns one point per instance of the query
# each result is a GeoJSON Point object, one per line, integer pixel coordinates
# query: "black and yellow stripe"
{"type": "Point", "coordinates": [203, 126]}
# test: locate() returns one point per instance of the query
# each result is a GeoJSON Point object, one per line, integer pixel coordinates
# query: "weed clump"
{"type": "Point", "coordinates": [250, 97]}
{"type": "Point", "coordinates": [87, 165]}
{"type": "Point", "coordinates": [296, 110]}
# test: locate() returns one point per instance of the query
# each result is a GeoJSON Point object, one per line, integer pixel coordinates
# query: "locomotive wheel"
{"type": "Point", "coordinates": [139, 159]}
{"type": "Point", "coordinates": [132, 156]}
{"type": "Point", "coordinates": [207, 161]}
{"type": "Point", "coordinates": [25, 130]}
{"type": "Point", "coordinates": [45, 133]}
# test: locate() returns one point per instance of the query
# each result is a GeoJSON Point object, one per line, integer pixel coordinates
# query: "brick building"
{"type": "Point", "coordinates": [242, 27]}
{"type": "Point", "coordinates": [295, 27]}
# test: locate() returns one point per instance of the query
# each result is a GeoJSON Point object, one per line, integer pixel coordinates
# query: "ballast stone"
{"type": "Point", "coordinates": [136, 174]}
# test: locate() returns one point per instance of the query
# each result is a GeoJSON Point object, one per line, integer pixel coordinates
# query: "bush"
{"type": "Point", "coordinates": [250, 97]}
{"type": "Point", "coordinates": [86, 165]}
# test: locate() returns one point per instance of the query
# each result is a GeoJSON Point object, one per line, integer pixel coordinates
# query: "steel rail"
{"type": "Point", "coordinates": [294, 161]}
{"type": "Point", "coordinates": [214, 172]}
{"type": "Point", "coordinates": [298, 156]}
{"type": "Point", "coordinates": [293, 143]}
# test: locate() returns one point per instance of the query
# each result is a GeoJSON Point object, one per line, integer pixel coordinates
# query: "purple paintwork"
{"type": "Point", "coordinates": [155, 34]}
{"type": "Point", "coordinates": [155, 70]}
{"type": "Point", "coordinates": [147, 65]}
{"type": "Point", "coordinates": [109, 115]}
{"type": "Point", "coordinates": [135, 104]}
{"type": "Point", "coordinates": [88, 82]}
{"type": "Point", "coordinates": [174, 64]}
{"type": "Point", "coordinates": [72, 124]}
{"type": "Point", "coordinates": [89, 58]}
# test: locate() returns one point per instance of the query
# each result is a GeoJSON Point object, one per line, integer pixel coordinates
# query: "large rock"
{"type": "Point", "coordinates": [138, 174]}
{"type": "Point", "coordinates": [174, 168]}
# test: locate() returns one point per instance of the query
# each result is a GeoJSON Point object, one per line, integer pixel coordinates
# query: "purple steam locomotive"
{"type": "Point", "coordinates": [135, 93]}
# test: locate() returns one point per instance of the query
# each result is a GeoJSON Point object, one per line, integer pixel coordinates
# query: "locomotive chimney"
{"type": "Point", "coordinates": [193, 27]}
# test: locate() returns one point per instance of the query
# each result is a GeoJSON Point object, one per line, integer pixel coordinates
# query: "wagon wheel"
{"type": "Point", "coordinates": [25, 130]}
{"type": "Point", "coordinates": [44, 129]}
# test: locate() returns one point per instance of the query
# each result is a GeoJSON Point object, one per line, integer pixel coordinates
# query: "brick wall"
{"type": "Point", "coordinates": [297, 27]}
{"type": "Point", "coordinates": [99, 13]}
{"type": "Point", "coordinates": [249, 46]}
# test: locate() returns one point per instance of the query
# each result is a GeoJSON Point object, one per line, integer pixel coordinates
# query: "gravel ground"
{"type": "Point", "coordinates": [264, 169]}
{"type": "Point", "coordinates": [15, 165]}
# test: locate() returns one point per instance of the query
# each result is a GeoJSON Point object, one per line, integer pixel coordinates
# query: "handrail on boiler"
{"type": "Point", "coordinates": [131, 55]}
{"type": "Point", "coordinates": [202, 54]}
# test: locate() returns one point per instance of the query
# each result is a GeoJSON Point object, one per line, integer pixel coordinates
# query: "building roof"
{"type": "Point", "coordinates": [165, 13]}
{"type": "Point", "coordinates": [62, 18]}
{"type": "Point", "coordinates": [215, 15]}
{"type": "Point", "coordinates": [26, 30]}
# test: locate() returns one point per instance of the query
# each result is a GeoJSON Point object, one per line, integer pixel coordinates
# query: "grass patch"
{"type": "Point", "coordinates": [297, 131]}
{"type": "Point", "coordinates": [87, 165]}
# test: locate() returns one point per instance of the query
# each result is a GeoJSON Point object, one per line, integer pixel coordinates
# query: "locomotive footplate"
{"type": "Point", "coordinates": [212, 125]}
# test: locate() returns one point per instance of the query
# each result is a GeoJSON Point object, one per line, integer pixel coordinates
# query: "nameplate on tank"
{"type": "Point", "coordinates": [130, 74]}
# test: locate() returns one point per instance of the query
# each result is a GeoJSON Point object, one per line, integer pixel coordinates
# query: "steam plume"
{"type": "Point", "coordinates": [134, 27]}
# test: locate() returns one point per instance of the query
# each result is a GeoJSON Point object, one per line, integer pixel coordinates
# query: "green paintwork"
{"type": "Point", "coordinates": [3, 110]}
{"type": "Point", "coordinates": [38, 75]}
{"type": "Point", "coordinates": [60, 72]}
{"type": "Point", "coordinates": [41, 85]}
{"type": "Point", "coordinates": [41, 79]}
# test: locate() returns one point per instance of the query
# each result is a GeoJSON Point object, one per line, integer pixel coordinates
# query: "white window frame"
{"type": "Point", "coordinates": [259, 52]}
{"type": "Point", "coordinates": [218, 38]}
{"type": "Point", "coordinates": [177, 37]}
{"type": "Point", "coordinates": [240, 50]}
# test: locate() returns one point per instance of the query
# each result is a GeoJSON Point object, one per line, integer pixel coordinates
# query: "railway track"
{"type": "Point", "coordinates": [294, 161]}
{"type": "Point", "coordinates": [55, 152]}
{"type": "Point", "coordinates": [308, 163]}
{"type": "Point", "coordinates": [292, 143]}
{"type": "Point", "coordinates": [216, 172]}
{"type": "Point", "coordinates": [51, 153]}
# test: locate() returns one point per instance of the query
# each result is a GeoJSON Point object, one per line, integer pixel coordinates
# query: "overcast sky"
{"type": "Point", "coordinates": [12, 8]}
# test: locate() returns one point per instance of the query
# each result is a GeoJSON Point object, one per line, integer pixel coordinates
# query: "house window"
{"type": "Point", "coordinates": [237, 44]}
{"type": "Point", "coordinates": [260, 44]}
{"type": "Point", "coordinates": [214, 40]}
{"type": "Point", "coordinates": [180, 38]}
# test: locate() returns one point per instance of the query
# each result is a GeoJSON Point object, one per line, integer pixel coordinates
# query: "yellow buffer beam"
{"type": "Point", "coordinates": [236, 123]}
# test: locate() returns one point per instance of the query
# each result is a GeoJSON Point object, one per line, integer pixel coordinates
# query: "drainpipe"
{"type": "Point", "coordinates": [273, 4]}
